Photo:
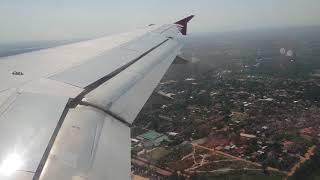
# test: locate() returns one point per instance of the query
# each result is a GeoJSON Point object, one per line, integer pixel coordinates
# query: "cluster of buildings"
{"type": "Point", "coordinates": [257, 117]}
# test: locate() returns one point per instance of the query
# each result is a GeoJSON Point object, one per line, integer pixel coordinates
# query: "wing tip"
{"type": "Point", "coordinates": [184, 23]}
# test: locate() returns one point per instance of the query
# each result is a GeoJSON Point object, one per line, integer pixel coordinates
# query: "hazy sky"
{"type": "Point", "coordinates": [23, 20]}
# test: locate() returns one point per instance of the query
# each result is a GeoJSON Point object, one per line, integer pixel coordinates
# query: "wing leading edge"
{"type": "Point", "coordinates": [74, 122]}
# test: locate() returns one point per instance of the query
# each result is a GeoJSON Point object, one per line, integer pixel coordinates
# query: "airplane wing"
{"type": "Point", "coordinates": [66, 112]}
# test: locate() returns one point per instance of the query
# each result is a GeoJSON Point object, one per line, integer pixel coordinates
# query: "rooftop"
{"type": "Point", "coordinates": [151, 135]}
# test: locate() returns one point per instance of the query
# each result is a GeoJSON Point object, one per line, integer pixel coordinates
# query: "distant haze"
{"type": "Point", "coordinates": [34, 20]}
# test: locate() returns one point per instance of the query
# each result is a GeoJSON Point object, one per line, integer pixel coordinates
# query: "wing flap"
{"type": "Point", "coordinates": [91, 145]}
{"type": "Point", "coordinates": [109, 92]}
{"type": "Point", "coordinates": [130, 103]}
{"type": "Point", "coordinates": [112, 157]}
{"type": "Point", "coordinates": [74, 148]}
{"type": "Point", "coordinates": [26, 129]}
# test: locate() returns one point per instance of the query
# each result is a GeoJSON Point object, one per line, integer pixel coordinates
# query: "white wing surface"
{"type": "Point", "coordinates": [66, 112]}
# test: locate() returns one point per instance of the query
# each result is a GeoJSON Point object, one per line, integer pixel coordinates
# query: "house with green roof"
{"type": "Point", "coordinates": [152, 138]}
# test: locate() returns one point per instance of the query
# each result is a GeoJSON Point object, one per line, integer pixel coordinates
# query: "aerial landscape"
{"type": "Point", "coordinates": [241, 105]}
{"type": "Point", "coordinates": [245, 107]}
{"type": "Point", "coordinates": [160, 90]}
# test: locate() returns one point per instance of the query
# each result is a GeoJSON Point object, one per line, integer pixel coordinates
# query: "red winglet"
{"type": "Point", "coordinates": [184, 23]}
